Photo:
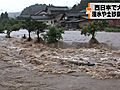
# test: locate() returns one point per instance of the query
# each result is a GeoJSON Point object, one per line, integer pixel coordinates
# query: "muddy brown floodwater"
{"type": "Point", "coordinates": [29, 66]}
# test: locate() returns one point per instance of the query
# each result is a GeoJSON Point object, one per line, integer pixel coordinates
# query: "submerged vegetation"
{"type": "Point", "coordinates": [26, 59]}
{"type": "Point", "coordinates": [54, 34]}
{"type": "Point", "coordinates": [91, 29]}
{"type": "Point", "coordinates": [8, 24]}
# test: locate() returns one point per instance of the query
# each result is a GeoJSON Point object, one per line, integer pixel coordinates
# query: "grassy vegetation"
{"type": "Point", "coordinates": [112, 29]}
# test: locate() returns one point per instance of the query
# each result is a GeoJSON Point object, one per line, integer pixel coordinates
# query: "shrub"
{"type": "Point", "coordinates": [53, 35]}
{"type": "Point", "coordinates": [91, 28]}
{"type": "Point", "coordinates": [112, 29]}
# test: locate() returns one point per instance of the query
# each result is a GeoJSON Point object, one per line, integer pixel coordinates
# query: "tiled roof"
{"type": "Point", "coordinates": [57, 8]}
{"type": "Point", "coordinates": [41, 17]}
{"type": "Point", "coordinates": [33, 9]}
{"type": "Point", "coordinates": [75, 13]}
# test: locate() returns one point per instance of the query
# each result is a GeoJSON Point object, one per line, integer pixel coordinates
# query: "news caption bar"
{"type": "Point", "coordinates": [103, 10]}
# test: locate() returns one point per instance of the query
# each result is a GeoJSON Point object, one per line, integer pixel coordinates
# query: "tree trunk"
{"type": "Point", "coordinates": [8, 34]}
{"type": "Point", "coordinates": [24, 36]}
{"type": "Point", "coordinates": [93, 34]}
{"type": "Point", "coordinates": [38, 37]}
{"type": "Point", "coordinates": [29, 38]}
{"type": "Point", "coordinates": [93, 40]}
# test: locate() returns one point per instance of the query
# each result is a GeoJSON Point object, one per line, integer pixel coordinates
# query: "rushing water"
{"type": "Point", "coordinates": [112, 39]}
{"type": "Point", "coordinates": [17, 73]}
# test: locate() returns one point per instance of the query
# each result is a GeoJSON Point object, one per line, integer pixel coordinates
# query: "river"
{"type": "Point", "coordinates": [19, 71]}
{"type": "Point", "coordinates": [110, 38]}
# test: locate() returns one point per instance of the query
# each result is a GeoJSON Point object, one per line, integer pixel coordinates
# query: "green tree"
{"type": "Point", "coordinates": [11, 27]}
{"type": "Point", "coordinates": [8, 24]}
{"type": "Point", "coordinates": [4, 15]}
{"type": "Point", "coordinates": [29, 24]}
{"type": "Point", "coordinates": [91, 29]}
{"type": "Point", "coordinates": [39, 27]}
{"type": "Point", "coordinates": [54, 34]}
{"type": "Point", "coordinates": [1, 28]}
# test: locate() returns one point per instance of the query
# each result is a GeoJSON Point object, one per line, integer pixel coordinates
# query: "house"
{"type": "Point", "coordinates": [58, 16]}
{"type": "Point", "coordinates": [43, 16]}
{"type": "Point", "coordinates": [47, 15]}
{"type": "Point", "coordinates": [55, 10]}
{"type": "Point", "coordinates": [71, 19]}
{"type": "Point", "coordinates": [56, 13]}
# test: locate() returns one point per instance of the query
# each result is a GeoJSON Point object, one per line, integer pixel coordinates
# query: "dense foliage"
{"type": "Point", "coordinates": [4, 15]}
{"type": "Point", "coordinates": [54, 34]}
{"type": "Point", "coordinates": [32, 25]}
{"type": "Point", "coordinates": [12, 25]}
{"type": "Point", "coordinates": [112, 29]}
{"type": "Point", "coordinates": [8, 24]}
{"type": "Point", "coordinates": [28, 24]}
{"type": "Point", "coordinates": [39, 27]}
{"type": "Point", "coordinates": [92, 27]}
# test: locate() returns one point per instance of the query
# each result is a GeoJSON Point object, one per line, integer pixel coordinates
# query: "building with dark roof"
{"type": "Point", "coordinates": [33, 9]}
{"type": "Point", "coordinates": [57, 16]}
{"type": "Point", "coordinates": [56, 9]}
{"type": "Point", "coordinates": [72, 19]}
